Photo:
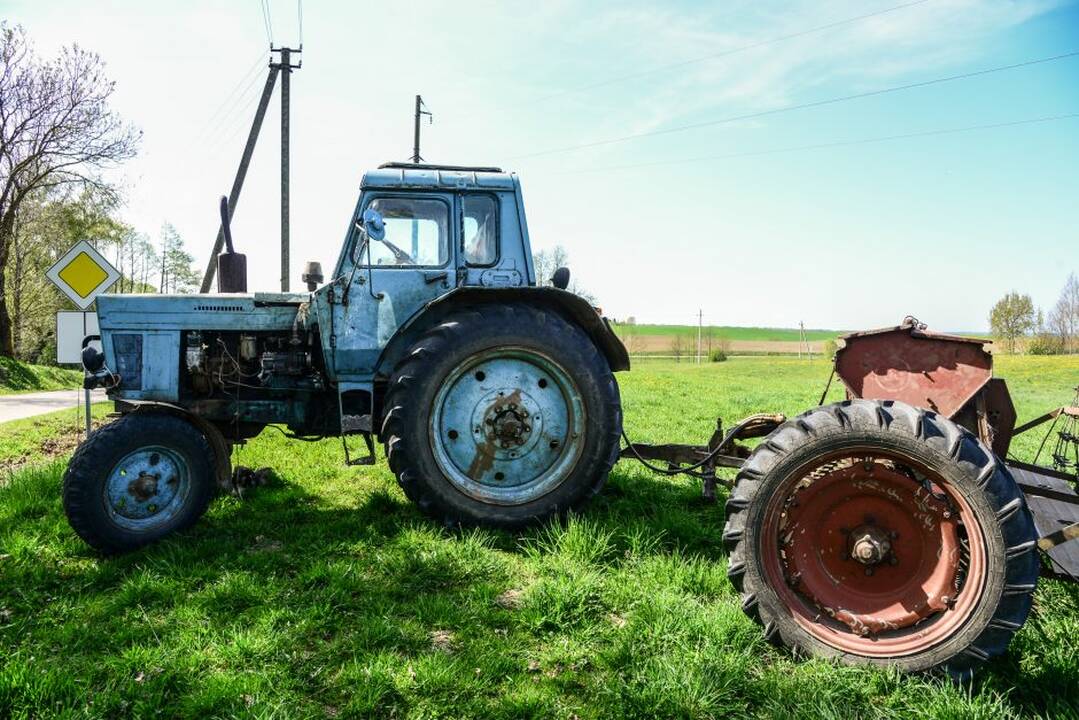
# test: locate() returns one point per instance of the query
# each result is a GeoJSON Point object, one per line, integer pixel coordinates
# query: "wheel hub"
{"type": "Point", "coordinates": [870, 545]}
{"type": "Point", "coordinates": [506, 425]}
{"type": "Point", "coordinates": [146, 488]}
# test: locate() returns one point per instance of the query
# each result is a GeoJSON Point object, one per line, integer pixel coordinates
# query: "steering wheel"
{"type": "Point", "coordinates": [400, 257]}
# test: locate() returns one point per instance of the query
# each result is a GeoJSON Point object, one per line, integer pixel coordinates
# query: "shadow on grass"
{"type": "Point", "coordinates": [331, 601]}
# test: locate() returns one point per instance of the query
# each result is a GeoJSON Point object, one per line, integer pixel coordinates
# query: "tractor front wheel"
{"type": "Point", "coordinates": [878, 533]}
{"type": "Point", "coordinates": [502, 415]}
{"type": "Point", "coordinates": [138, 479]}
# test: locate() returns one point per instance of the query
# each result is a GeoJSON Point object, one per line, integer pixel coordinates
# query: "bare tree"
{"type": "Point", "coordinates": [678, 346]}
{"type": "Point", "coordinates": [1012, 317]}
{"type": "Point", "coordinates": [545, 262]}
{"type": "Point", "coordinates": [56, 131]}
{"type": "Point", "coordinates": [627, 332]}
{"type": "Point", "coordinates": [1064, 317]}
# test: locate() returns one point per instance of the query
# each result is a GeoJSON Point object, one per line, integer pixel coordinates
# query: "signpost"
{"type": "Point", "coordinates": [82, 274]}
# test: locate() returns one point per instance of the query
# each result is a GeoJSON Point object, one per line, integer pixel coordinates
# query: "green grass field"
{"type": "Point", "coordinates": [16, 377]}
{"type": "Point", "coordinates": [730, 332]}
{"type": "Point", "coordinates": [326, 594]}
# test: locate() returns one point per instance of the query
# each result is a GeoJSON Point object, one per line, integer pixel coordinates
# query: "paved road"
{"type": "Point", "coordinates": [24, 405]}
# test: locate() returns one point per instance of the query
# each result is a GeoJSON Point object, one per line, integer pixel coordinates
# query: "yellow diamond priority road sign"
{"type": "Point", "coordinates": [83, 274]}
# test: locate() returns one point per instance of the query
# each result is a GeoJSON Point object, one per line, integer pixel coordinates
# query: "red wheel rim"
{"type": "Point", "coordinates": [874, 554]}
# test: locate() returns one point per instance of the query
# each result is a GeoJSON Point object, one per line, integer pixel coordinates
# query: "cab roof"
{"type": "Point", "coordinates": [441, 177]}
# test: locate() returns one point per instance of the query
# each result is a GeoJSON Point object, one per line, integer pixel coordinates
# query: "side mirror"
{"type": "Point", "coordinates": [371, 227]}
{"type": "Point", "coordinates": [560, 279]}
{"type": "Point", "coordinates": [373, 224]}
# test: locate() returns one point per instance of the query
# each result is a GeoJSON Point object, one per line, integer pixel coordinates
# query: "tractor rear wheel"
{"type": "Point", "coordinates": [138, 479]}
{"type": "Point", "coordinates": [878, 533]}
{"type": "Point", "coordinates": [502, 415]}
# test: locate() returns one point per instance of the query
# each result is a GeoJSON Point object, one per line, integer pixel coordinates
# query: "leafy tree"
{"type": "Point", "coordinates": [177, 272]}
{"type": "Point", "coordinates": [1012, 317]}
{"type": "Point", "coordinates": [57, 132]}
{"type": "Point", "coordinates": [45, 226]}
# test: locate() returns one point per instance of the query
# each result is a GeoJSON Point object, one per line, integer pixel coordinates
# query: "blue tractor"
{"type": "Point", "coordinates": [494, 398]}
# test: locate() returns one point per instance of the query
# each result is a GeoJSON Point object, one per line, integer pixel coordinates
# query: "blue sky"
{"type": "Point", "coordinates": [840, 237]}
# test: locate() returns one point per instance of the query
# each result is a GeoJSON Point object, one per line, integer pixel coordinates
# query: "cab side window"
{"type": "Point", "coordinates": [480, 224]}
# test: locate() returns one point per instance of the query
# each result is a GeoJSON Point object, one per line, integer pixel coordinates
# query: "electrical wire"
{"type": "Point", "coordinates": [714, 56]}
{"type": "Point", "coordinates": [688, 470]}
{"type": "Point", "coordinates": [245, 78]}
{"type": "Point", "coordinates": [235, 97]}
{"type": "Point", "coordinates": [265, 4]}
{"type": "Point", "coordinates": [800, 106]}
{"type": "Point", "coordinates": [231, 125]}
{"type": "Point", "coordinates": [819, 146]}
{"type": "Point", "coordinates": [726, 53]}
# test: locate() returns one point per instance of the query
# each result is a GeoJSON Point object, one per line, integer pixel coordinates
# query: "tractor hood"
{"type": "Point", "coordinates": [226, 311]}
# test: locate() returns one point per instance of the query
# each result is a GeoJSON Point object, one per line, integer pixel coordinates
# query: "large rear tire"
{"type": "Point", "coordinates": [138, 479]}
{"type": "Point", "coordinates": [878, 533]}
{"type": "Point", "coordinates": [502, 415]}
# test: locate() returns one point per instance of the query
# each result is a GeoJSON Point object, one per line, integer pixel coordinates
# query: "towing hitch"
{"type": "Point", "coordinates": [722, 450]}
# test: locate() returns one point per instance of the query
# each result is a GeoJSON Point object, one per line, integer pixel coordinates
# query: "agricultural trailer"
{"type": "Point", "coordinates": [887, 529]}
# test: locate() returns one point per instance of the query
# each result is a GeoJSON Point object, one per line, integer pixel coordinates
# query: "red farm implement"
{"type": "Point", "coordinates": [894, 528]}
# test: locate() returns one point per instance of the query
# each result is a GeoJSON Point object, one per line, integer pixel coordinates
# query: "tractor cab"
{"type": "Point", "coordinates": [417, 233]}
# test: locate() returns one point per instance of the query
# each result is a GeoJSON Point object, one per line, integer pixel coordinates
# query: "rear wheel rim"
{"type": "Point", "coordinates": [507, 426]}
{"type": "Point", "coordinates": [873, 553]}
{"type": "Point", "coordinates": [147, 488]}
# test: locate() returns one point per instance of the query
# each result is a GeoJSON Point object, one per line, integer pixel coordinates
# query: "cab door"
{"type": "Point", "coordinates": [381, 284]}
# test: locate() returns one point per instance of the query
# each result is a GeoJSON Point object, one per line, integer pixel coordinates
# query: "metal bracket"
{"type": "Point", "coordinates": [368, 459]}
{"type": "Point", "coordinates": [355, 425]}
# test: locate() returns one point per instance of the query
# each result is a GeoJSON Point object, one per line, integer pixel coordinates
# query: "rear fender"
{"type": "Point", "coordinates": [571, 306]}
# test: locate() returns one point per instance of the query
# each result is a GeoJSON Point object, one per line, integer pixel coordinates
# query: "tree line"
{"type": "Point", "coordinates": [1019, 326]}
{"type": "Point", "coordinates": [59, 142]}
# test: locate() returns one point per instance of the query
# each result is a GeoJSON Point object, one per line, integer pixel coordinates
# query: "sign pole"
{"type": "Point", "coordinates": [86, 391]}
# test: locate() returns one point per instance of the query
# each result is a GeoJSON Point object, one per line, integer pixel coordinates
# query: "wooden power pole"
{"type": "Point", "coordinates": [421, 110]}
{"type": "Point", "coordinates": [284, 67]}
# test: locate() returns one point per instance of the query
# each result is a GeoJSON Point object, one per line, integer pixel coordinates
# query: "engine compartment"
{"type": "Point", "coordinates": [225, 363]}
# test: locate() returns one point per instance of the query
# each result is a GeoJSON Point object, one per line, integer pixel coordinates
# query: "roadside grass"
{"type": "Point", "coordinates": [18, 377]}
{"type": "Point", "coordinates": [326, 594]}
{"type": "Point", "coordinates": [44, 437]}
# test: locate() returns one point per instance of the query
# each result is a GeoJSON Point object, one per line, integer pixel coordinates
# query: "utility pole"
{"type": "Point", "coordinates": [285, 67]}
{"type": "Point", "coordinates": [803, 340]}
{"type": "Point", "coordinates": [421, 110]}
{"type": "Point", "coordinates": [241, 174]}
{"type": "Point", "coordinates": [700, 322]}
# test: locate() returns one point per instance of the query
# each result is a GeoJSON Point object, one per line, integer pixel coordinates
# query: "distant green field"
{"type": "Point", "coordinates": [731, 332]}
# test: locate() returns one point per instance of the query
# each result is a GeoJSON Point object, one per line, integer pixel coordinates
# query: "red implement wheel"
{"type": "Point", "coordinates": [879, 533]}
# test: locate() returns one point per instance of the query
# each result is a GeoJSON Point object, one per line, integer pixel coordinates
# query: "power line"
{"type": "Point", "coordinates": [713, 56]}
{"type": "Point", "coordinates": [820, 146]}
{"type": "Point", "coordinates": [232, 94]}
{"type": "Point", "coordinates": [228, 124]}
{"type": "Point", "coordinates": [265, 5]}
{"type": "Point", "coordinates": [726, 53]}
{"type": "Point", "coordinates": [801, 106]}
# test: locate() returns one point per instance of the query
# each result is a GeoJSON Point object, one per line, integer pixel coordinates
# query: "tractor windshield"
{"type": "Point", "coordinates": [417, 231]}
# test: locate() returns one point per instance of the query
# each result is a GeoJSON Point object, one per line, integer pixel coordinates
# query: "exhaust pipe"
{"type": "Point", "coordinates": [231, 265]}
